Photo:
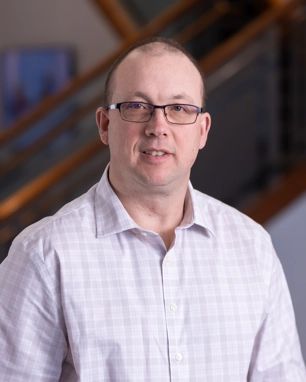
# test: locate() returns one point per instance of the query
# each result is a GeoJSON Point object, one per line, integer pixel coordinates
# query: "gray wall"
{"type": "Point", "coordinates": [288, 232]}
{"type": "Point", "coordinates": [73, 22]}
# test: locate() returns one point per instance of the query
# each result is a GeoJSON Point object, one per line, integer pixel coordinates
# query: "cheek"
{"type": "Point", "coordinates": [194, 140]}
{"type": "Point", "coordinates": [192, 146]}
{"type": "Point", "coordinates": [122, 142]}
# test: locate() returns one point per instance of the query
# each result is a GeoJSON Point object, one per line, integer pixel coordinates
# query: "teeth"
{"type": "Point", "coordinates": [155, 153]}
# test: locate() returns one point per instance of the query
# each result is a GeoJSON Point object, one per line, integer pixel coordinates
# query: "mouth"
{"type": "Point", "coordinates": [155, 153]}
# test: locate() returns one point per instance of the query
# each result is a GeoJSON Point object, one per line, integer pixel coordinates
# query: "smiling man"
{"type": "Point", "coordinates": [144, 278]}
{"type": "Point", "coordinates": [153, 148]}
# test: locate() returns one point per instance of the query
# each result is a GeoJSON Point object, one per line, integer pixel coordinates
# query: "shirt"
{"type": "Point", "coordinates": [87, 295]}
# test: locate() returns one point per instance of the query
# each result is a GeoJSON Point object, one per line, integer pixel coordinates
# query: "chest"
{"type": "Point", "coordinates": [135, 300]}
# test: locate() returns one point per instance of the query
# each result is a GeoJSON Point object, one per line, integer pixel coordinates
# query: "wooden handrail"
{"type": "Point", "coordinates": [276, 3]}
{"type": "Point", "coordinates": [16, 202]}
{"type": "Point", "coordinates": [274, 200]}
{"type": "Point", "coordinates": [204, 21]}
{"type": "Point", "coordinates": [231, 47]}
{"type": "Point", "coordinates": [212, 61]}
{"type": "Point", "coordinates": [39, 207]}
{"type": "Point", "coordinates": [22, 156]}
{"type": "Point", "coordinates": [53, 101]}
{"type": "Point", "coordinates": [118, 16]}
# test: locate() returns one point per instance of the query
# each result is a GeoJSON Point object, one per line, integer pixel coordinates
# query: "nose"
{"type": "Point", "coordinates": [158, 124]}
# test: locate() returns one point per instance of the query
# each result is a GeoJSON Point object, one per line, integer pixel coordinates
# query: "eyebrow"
{"type": "Point", "coordinates": [182, 96]}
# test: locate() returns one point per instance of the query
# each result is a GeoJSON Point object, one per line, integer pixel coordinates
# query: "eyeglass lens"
{"type": "Point", "coordinates": [142, 112]}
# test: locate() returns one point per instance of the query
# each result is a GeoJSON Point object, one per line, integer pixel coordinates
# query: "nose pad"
{"type": "Point", "coordinates": [157, 126]}
{"type": "Point", "coordinates": [162, 110]}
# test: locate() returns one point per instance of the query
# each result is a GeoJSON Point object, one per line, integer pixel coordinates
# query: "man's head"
{"type": "Point", "coordinates": [152, 154]}
{"type": "Point", "coordinates": [147, 45]}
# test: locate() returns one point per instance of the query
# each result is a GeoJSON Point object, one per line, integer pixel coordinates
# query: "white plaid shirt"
{"type": "Point", "coordinates": [87, 295]}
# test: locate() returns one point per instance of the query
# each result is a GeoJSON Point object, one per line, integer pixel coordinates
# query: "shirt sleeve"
{"type": "Point", "coordinates": [277, 354]}
{"type": "Point", "coordinates": [32, 332]}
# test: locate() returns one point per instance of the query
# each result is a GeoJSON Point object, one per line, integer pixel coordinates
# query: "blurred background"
{"type": "Point", "coordinates": [54, 56]}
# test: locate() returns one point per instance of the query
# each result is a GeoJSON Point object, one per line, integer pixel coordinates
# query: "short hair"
{"type": "Point", "coordinates": [167, 45]}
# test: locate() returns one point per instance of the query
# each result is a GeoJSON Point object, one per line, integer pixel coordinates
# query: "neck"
{"type": "Point", "coordinates": [155, 211]}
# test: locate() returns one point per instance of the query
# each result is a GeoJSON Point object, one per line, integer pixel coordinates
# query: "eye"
{"type": "Point", "coordinates": [135, 105]}
{"type": "Point", "coordinates": [179, 108]}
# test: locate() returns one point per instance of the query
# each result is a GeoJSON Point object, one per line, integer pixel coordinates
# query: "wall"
{"type": "Point", "coordinates": [76, 23]}
{"type": "Point", "coordinates": [73, 23]}
{"type": "Point", "coordinates": [288, 232]}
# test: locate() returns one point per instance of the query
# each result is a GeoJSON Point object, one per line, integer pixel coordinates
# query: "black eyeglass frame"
{"type": "Point", "coordinates": [114, 106]}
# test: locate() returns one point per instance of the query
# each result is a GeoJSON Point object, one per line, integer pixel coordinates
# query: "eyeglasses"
{"type": "Point", "coordinates": [178, 114]}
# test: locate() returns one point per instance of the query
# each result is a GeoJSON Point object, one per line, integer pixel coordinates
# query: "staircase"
{"type": "Point", "coordinates": [247, 50]}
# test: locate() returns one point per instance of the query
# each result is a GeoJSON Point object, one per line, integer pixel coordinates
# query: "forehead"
{"type": "Point", "coordinates": [158, 73]}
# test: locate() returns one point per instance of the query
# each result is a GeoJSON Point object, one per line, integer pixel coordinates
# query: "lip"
{"type": "Point", "coordinates": [155, 149]}
{"type": "Point", "coordinates": [155, 158]}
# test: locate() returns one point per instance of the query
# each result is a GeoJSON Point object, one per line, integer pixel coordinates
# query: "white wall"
{"type": "Point", "coordinates": [43, 22]}
{"type": "Point", "coordinates": [288, 232]}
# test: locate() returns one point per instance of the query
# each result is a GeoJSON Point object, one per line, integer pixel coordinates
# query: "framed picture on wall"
{"type": "Point", "coordinates": [28, 76]}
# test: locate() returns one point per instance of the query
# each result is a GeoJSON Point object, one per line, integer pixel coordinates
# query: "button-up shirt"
{"type": "Point", "coordinates": [88, 295]}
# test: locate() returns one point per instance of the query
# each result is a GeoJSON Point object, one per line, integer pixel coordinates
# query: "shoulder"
{"type": "Point", "coordinates": [73, 218]}
{"type": "Point", "coordinates": [228, 221]}
{"type": "Point", "coordinates": [238, 240]}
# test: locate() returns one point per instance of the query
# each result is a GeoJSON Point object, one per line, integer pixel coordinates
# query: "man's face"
{"type": "Point", "coordinates": [160, 79]}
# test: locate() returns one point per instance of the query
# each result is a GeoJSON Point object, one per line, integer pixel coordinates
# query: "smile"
{"type": "Point", "coordinates": [155, 153]}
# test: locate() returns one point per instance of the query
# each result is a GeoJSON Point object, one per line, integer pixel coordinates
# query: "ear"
{"type": "Point", "coordinates": [103, 124]}
{"type": "Point", "coordinates": [205, 127]}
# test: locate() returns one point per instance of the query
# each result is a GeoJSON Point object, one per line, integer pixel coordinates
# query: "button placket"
{"type": "Point", "coordinates": [170, 286]}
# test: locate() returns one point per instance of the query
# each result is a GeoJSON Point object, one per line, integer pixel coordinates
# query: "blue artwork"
{"type": "Point", "coordinates": [28, 76]}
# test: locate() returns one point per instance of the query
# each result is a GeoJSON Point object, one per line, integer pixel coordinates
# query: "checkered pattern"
{"type": "Point", "coordinates": [87, 295]}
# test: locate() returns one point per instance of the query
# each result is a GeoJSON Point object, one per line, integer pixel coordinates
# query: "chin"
{"type": "Point", "coordinates": [161, 179]}
{"type": "Point", "coordinates": [158, 182]}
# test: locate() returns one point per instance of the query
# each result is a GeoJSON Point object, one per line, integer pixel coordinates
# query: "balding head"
{"type": "Point", "coordinates": [156, 46]}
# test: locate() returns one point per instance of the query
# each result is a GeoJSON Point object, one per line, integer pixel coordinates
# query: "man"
{"type": "Point", "coordinates": [143, 278]}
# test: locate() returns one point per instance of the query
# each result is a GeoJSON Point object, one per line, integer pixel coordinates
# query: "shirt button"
{"type": "Point", "coordinates": [143, 233]}
{"type": "Point", "coordinates": [173, 307]}
{"type": "Point", "coordinates": [178, 357]}
{"type": "Point", "coordinates": [168, 259]}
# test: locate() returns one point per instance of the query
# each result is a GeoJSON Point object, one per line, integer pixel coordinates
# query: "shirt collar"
{"type": "Point", "coordinates": [112, 218]}
{"type": "Point", "coordinates": [198, 212]}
